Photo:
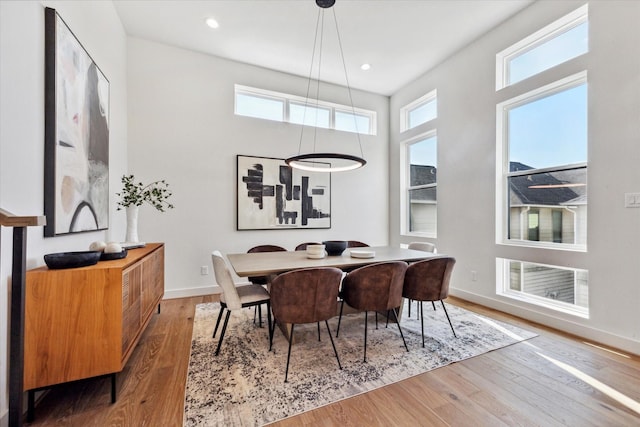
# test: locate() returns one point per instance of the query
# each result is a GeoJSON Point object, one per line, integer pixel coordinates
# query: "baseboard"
{"type": "Point", "coordinates": [4, 419]}
{"type": "Point", "coordinates": [191, 292]}
{"type": "Point", "coordinates": [552, 321]}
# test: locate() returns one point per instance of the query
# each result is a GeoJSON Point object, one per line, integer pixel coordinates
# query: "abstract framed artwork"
{"type": "Point", "coordinates": [76, 170]}
{"type": "Point", "coordinates": [274, 196]}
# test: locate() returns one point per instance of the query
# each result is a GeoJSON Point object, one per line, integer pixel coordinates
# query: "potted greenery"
{"type": "Point", "coordinates": [133, 195]}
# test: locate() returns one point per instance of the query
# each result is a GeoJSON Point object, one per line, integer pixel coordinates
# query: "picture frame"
{"type": "Point", "coordinates": [273, 196]}
{"type": "Point", "coordinates": [76, 169]}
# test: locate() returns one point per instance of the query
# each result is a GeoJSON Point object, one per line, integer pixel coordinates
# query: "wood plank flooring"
{"type": "Point", "coordinates": [521, 385]}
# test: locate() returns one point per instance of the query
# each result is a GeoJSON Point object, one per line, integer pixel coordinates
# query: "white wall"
{"type": "Point", "coordinates": [182, 128]}
{"type": "Point", "coordinates": [467, 156]}
{"type": "Point", "coordinates": [98, 28]}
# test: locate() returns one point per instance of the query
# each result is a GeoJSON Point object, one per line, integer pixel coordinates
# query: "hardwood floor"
{"type": "Point", "coordinates": [525, 384]}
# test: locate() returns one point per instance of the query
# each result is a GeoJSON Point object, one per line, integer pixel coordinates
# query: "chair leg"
{"type": "Point", "coordinates": [273, 329]}
{"type": "Point", "coordinates": [255, 313]}
{"type": "Point", "coordinates": [260, 315]}
{"type": "Point", "coordinates": [409, 307]}
{"type": "Point", "coordinates": [332, 343]}
{"type": "Point", "coordinates": [422, 322]}
{"type": "Point", "coordinates": [365, 335]}
{"type": "Point", "coordinates": [339, 318]}
{"type": "Point", "coordinates": [269, 320]}
{"type": "Point", "coordinates": [434, 305]}
{"type": "Point", "coordinates": [387, 324]}
{"type": "Point", "coordinates": [450, 324]}
{"type": "Point", "coordinates": [218, 322]}
{"type": "Point", "coordinates": [224, 329]}
{"type": "Point", "coordinates": [286, 372]}
{"type": "Point", "coordinates": [319, 331]}
{"type": "Point", "coordinates": [395, 315]}
{"type": "Point", "coordinates": [376, 320]}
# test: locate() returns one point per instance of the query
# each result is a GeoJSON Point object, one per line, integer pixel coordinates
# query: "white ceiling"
{"type": "Point", "coordinates": [401, 39]}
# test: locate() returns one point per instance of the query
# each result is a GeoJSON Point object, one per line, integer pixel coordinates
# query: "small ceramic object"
{"type": "Point", "coordinates": [335, 247]}
{"type": "Point", "coordinates": [97, 246]}
{"type": "Point", "coordinates": [113, 248]}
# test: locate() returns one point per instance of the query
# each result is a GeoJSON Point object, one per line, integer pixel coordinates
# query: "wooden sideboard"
{"type": "Point", "coordinates": [85, 322]}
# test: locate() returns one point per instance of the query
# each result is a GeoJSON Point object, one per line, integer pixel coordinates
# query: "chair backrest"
{"type": "Point", "coordinates": [224, 279]}
{"type": "Point", "coordinates": [428, 280]}
{"type": "Point", "coordinates": [266, 248]}
{"type": "Point", "coordinates": [303, 246]}
{"type": "Point", "coordinates": [306, 295]}
{"type": "Point", "coordinates": [423, 246]}
{"type": "Point", "coordinates": [375, 287]}
{"type": "Point", "coordinates": [356, 244]}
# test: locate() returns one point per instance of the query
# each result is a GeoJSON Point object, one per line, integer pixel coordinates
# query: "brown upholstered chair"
{"type": "Point", "coordinates": [262, 280]}
{"type": "Point", "coordinates": [303, 246]}
{"type": "Point", "coordinates": [428, 280]}
{"type": "Point", "coordinates": [307, 295]}
{"type": "Point", "coordinates": [425, 247]}
{"type": "Point", "coordinates": [375, 287]}
{"type": "Point", "coordinates": [235, 298]}
{"type": "Point", "coordinates": [356, 244]}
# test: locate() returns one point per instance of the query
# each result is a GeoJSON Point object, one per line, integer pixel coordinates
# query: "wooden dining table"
{"type": "Point", "coordinates": [267, 263]}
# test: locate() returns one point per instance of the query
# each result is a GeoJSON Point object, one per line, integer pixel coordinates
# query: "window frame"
{"type": "Point", "coordinates": [405, 111]}
{"type": "Point", "coordinates": [287, 99]}
{"type": "Point", "coordinates": [405, 168]}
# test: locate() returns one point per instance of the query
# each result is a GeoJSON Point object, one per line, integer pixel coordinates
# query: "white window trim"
{"type": "Point", "coordinates": [502, 159]}
{"type": "Point", "coordinates": [287, 98]}
{"type": "Point", "coordinates": [567, 22]}
{"type": "Point", "coordinates": [405, 174]}
{"type": "Point", "coordinates": [404, 111]}
{"type": "Point", "coordinates": [502, 289]}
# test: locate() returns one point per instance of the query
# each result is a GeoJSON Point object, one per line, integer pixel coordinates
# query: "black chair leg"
{"type": "Point", "coordinates": [339, 318]}
{"type": "Point", "coordinates": [387, 324]}
{"type": "Point", "coordinates": [260, 315]}
{"type": "Point", "coordinates": [422, 322]}
{"type": "Point", "coordinates": [271, 333]}
{"type": "Point", "coordinates": [434, 305]}
{"type": "Point", "coordinates": [395, 315]}
{"type": "Point", "coordinates": [332, 343]}
{"type": "Point", "coordinates": [286, 372]}
{"type": "Point", "coordinates": [269, 320]}
{"type": "Point", "coordinates": [450, 324]}
{"type": "Point", "coordinates": [218, 322]}
{"type": "Point", "coordinates": [409, 307]}
{"type": "Point", "coordinates": [319, 331]}
{"type": "Point", "coordinates": [224, 329]}
{"type": "Point", "coordinates": [376, 320]}
{"type": "Point", "coordinates": [365, 335]}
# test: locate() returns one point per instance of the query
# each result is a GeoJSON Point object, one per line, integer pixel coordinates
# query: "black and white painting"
{"type": "Point", "coordinates": [272, 195]}
{"type": "Point", "coordinates": [76, 134]}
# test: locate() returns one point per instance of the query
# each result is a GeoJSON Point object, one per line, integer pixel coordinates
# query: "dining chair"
{"type": "Point", "coordinates": [375, 287]}
{"type": "Point", "coordinates": [356, 244]}
{"type": "Point", "coordinates": [262, 280]}
{"type": "Point", "coordinates": [425, 247]}
{"type": "Point", "coordinates": [235, 297]}
{"type": "Point", "coordinates": [428, 280]}
{"type": "Point", "coordinates": [303, 246]}
{"type": "Point", "coordinates": [308, 295]}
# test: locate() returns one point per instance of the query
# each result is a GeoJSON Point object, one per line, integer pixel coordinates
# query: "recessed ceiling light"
{"type": "Point", "coordinates": [212, 23]}
{"type": "Point", "coordinates": [365, 67]}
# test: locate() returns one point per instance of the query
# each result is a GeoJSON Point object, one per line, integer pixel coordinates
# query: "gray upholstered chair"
{"type": "Point", "coordinates": [375, 287]}
{"type": "Point", "coordinates": [428, 280]}
{"type": "Point", "coordinates": [235, 297]}
{"type": "Point", "coordinates": [308, 295]}
{"type": "Point", "coordinates": [425, 247]}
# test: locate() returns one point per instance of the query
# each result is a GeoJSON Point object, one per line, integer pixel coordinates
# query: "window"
{"type": "Point", "coordinates": [421, 184]}
{"type": "Point", "coordinates": [565, 39]}
{"type": "Point", "coordinates": [420, 111]}
{"type": "Point", "coordinates": [264, 104]}
{"type": "Point", "coordinates": [545, 141]}
{"type": "Point", "coordinates": [560, 288]}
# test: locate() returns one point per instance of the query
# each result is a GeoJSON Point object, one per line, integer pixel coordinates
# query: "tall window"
{"type": "Point", "coordinates": [542, 164]}
{"type": "Point", "coordinates": [282, 107]}
{"type": "Point", "coordinates": [421, 175]}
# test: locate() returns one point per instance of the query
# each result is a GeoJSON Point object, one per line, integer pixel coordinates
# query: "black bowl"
{"type": "Point", "coordinates": [335, 247]}
{"type": "Point", "coordinates": [108, 256]}
{"type": "Point", "coordinates": [72, 259]}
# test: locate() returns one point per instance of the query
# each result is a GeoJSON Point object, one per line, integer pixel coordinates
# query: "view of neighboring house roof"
{"type": "Point", "coordinates": [566, 187]}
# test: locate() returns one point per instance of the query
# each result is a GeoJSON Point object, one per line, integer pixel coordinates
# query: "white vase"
{"type": "Point", "coordinates": [132, 224]}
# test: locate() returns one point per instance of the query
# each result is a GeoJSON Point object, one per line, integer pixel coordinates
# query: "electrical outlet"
{"type": "Point", "coordinates": [474, 275]}
{"type": "Point", "coordinates": [204, 270]}
{"type": "Point", "coordinates": [632, 200]}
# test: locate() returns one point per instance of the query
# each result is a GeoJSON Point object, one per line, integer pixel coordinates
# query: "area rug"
{"type": "Point", "coordinates": [244, 385]}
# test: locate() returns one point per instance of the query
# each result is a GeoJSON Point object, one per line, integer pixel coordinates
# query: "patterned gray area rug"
{"type": "Point", "coordinates": [244, 385]}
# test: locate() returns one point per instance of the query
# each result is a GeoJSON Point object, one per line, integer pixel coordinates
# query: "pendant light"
{"type": "Point", "coordinates": [325, 161]}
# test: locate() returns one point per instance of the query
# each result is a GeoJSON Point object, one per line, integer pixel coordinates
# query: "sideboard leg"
{"type": "Point", "coordinates": [113, 388]}
{"type": "Point", "coordinates": [158, 308]}
{"type": "Point", "coordinates": [31, 410]}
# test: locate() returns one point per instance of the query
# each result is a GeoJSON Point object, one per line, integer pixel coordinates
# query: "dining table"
{"type": "Point", "coordinates": [273, 263]}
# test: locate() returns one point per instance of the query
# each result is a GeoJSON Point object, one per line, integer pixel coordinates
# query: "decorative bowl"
{"type": "Point", "coordinates": [72, 259]}
{"type": "Point", "coordinates": [335, 247]}
{"type": "Point", "coordinates": [108, 256]}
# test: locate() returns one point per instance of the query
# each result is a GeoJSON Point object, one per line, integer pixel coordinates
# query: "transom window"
{"type": "Point", "coordinates": [560, 41]}
{"type": "Point", "coordinates": [269, 105]}
{"type": "Point", "coordinates": [420, 111]}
